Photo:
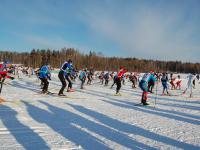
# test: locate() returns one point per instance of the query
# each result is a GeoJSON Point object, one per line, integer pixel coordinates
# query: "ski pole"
{"type": "Point", "coordinates": [156, 95]}
{"type": "Point", "coordinates": [1, 86]}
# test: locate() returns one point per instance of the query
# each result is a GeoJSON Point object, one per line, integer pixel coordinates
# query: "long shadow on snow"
{"type": "Point", "coordinates": [103, 94]}
{"type": "Point", "coordinates": [182, 106]}
{"type": "Point", "coordinates": [124, 127]}
{"type": "Point", "coordinates": [31, 83]}
{"type": "Point", "coordinates": [18, 85]}
{"type": "Point", "coordinates": [176, 100]}
{"type": "Point", "coordinates": [97, 93]}
{"type": "Point", "coordinates": [65, 123]}
{"type": "Point", "coordinates": [22, 133]}
{"type": "Point", "coordinates": [162, 110]}
{"type": "Point", "coordinates": [157, 111]}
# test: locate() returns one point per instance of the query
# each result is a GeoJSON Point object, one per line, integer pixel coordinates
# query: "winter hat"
{"type": "Point", "coordinates": [69, 61]}
{"type": "Point", "coordinates": [121, 67]}
{"type": "Point", "coordinates": [151, 71]}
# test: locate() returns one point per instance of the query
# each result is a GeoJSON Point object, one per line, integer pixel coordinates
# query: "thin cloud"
{"type": "Point", "coordinates": [147, 32]}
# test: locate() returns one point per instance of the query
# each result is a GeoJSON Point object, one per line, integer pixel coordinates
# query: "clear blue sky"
{"type": "Point", "coordinates": [153, 29]}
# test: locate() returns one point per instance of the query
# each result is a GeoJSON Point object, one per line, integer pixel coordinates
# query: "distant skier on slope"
{"type": "Point", "coordinates": [101, 77]}
{"type": "Point", "coordinates": [190, 77]}
{"type": "Point", "coordinates": [82, 77]}
{"type": "Point", "coordinates": [193, 82]}
{"type": "Point", "coordinates": [123, 79]}
{"type": "Point", "coordinates": [178, 82]}
{"type": "Point", "coordinates": [197, 76]}
{"type": "Point", "coordinates": [172, 79]}
{"type": "Point", "coordinates": [44, 75]}
{"type": "Point", "coordinates": [114, 80]}
{"type": "Point", "coordinates": [90, 76]}
{"type": "Point", "coordinates": [164, 80]}
{"type": "Point", "coordinates": [144, 85]}
{"type": "Point", "coordinates": [106, 78]}
{"type": "Point", "coordinates": [133, 79]}
{"type": "Point", "coordinates": [120, 74]}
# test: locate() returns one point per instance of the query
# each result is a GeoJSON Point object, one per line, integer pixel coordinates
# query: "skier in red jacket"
{"type": "Point", "coordinates": [121, 72]}
{"type": "Point", "coordinates": [3, 76]}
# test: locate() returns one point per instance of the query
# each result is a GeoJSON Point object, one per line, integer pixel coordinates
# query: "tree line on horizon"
{"type": "Point", "coordinates": [39, 57]}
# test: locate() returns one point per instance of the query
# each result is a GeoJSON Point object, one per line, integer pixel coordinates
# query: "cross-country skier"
{"type": "Point", "coordinates": [101, 77]}
{"type": "Point", "coordinates": [158, 76]}
{"type": "Point", "coordinates": [151, 83]}
{"type": "Point", "coordinates": [164, 81]}
{"type": "Point", "coordinates": [123, 79]}
{"type": "Point", "coordinates": [37, 73]}
{"type": "Point", "coordinates": [44, 76]}
{"type": "Point", "coordinates": [112, 75]}
{"type": "Point", "coordinates": [178, 82]}
{"type": "Point", "coordinates": [114, 80]}
{"type": "Point", "coordinates": [197, 76]}
{"type": "Point", "coordinates": [133, 79]}
{"type": "Point", "coordinates": [106, 78]}
{"type": "Point", "coordinates": [4, 74]}
{"type": "Point", "coordinates": [89, 76]}
{"type": "Point", "coordinates": [3, 67]}
{"type": "Point", "coordinates": [190, 77]}
{"type": "Point", "coordinates": [121, 72]}
{"type": "Point", "coordinates": [82, 77]}
{"type": "Point", "coordinates": [63, 74]}
{"type": "Point", "coordinates": [144, 85]}
{"type": "Point", "coordinates": [172, 79]}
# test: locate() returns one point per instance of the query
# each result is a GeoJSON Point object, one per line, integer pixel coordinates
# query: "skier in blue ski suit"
{"type": "Point", "coordinates": [144, 85]}
{"type": "Point", "coordinates": [82, 77]}
{"type": "Point", "coordinates": [164, 81]}
{"type": "Point", "coordinates": [44, 75]}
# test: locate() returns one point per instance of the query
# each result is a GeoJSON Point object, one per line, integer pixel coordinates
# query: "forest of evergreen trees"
{"type": "Point", "coordinates": [55, 58]}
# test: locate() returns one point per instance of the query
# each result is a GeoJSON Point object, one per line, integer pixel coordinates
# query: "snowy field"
{"type": "Point", "coordinates": [95, 119]}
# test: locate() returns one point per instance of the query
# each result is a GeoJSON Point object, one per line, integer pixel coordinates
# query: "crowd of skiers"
{"type": "Point", "coordinates": [146, 82]}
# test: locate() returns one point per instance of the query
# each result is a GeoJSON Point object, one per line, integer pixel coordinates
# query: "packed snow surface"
{"type": "Point", "coordinates": [95, 119]}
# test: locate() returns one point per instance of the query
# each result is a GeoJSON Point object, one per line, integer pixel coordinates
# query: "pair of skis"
{"type": "Point", "coordinates": [141, 104]}
{"type": "Point", "coordinates": [56, 94]}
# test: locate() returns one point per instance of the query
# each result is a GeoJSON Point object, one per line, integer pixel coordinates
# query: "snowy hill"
{"type": "Point", "coordinates": [95, 119]}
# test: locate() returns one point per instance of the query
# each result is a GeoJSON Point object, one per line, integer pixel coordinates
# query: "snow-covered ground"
{"type": "Point", "coordinates": [95, 119]}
